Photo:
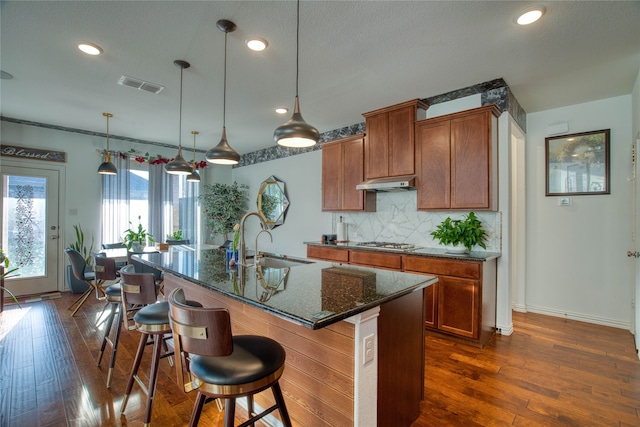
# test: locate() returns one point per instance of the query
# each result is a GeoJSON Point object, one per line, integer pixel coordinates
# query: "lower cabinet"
{"type": "Point", "coordinates": [463, 302]}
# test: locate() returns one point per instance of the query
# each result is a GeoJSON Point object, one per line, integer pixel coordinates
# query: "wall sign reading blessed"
{"type": "Point", "coordinates": [33, 153]}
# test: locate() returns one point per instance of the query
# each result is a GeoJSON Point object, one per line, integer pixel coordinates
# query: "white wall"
{"type": "Point", "coordinates": [576, 256]}
{"type": "Point", "coordinates": [305, 221]}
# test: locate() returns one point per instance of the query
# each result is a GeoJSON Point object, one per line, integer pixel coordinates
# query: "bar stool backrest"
{"type": "Point", "coordinates": [199, 331]}
{"type": "Point", "coordinates": [138, 290]}
{"type": "Point", "coordinates": [104, 268]}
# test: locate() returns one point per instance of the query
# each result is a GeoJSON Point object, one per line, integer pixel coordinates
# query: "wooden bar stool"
{"type": "Point", "coordinates": [152, 320]}
{"type": "Point", "coordinates": [106, 270]}
{"type": "Point", "coordinates": [220, 365]}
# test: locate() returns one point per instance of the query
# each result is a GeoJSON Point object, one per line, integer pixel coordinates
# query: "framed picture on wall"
{"type": "Point", "coordinates": [577, 164]}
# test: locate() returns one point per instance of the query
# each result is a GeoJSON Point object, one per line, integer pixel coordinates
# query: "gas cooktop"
{"type": "Point", "coordinates": [389, 246]}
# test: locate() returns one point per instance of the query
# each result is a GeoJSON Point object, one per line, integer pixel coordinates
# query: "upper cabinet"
{"type": "Point", "coordinates": [342, 170]}
{"type": "Point", "coordinates": [389, 145]}
{"type": "Point", "coordinates": [456, 159]}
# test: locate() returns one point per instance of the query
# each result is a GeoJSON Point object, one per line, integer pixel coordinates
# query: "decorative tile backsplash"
{"type": "Point", "coordinates": [397, 220]}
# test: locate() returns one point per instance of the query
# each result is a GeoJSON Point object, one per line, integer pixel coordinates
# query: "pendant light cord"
{"type": "Point", "coordinates": [180, 124]}
{"type": "Point", "coordinates": [224, 89]}
{"type": "Point", "coordinates": [297, 45]}
{"type": "Point", "coordinates": [107, 134]}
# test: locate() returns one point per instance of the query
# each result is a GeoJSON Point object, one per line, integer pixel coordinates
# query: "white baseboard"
{"type": "Point", "coordinates": [576, 316]}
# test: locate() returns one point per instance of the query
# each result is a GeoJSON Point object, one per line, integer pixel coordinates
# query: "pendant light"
{"type": "Point", "coordinates": [107, 168]}
{"type": "Point", "coordinates": [195, 176]}
{"type": "Point", "coordinates": [296, 132]}
{"type": "Point", "coordinates": [179, 166]}
{"type": "Point", "coordinates": [223, 153]}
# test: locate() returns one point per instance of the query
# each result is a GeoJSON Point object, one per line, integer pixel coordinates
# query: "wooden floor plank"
{"type": "Point", "coordinates": [549, 372]}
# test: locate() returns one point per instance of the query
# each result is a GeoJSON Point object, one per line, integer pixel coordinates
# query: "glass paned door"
{"type": "Point", "coordinates": [30, 228]}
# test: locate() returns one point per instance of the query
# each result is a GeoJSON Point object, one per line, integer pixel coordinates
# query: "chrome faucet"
{"type": "Point", "coordinates": [257, 255]}
{"type": "Point", "coordinates": [243, 247]}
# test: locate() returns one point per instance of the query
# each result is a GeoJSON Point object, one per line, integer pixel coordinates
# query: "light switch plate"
{"type": "Point", "coordinates": [564, 201]}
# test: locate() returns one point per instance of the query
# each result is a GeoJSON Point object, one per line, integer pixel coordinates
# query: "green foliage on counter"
{"type": "Point", "coordinates": [467, 232]}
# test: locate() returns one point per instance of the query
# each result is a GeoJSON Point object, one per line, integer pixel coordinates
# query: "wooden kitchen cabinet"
{"type": "Point", "coordinates": [463, 302]}
{"type": "Point", "coordinates": [457, 160]}
{"type": "Point", "coordinates": [389, 146]}
{"type": "Point", "coordinates": [328, 253]}
{"type": "Point", "coordinates": [342, 170]}
{"type": "Point", "coordinates": [375, 259]}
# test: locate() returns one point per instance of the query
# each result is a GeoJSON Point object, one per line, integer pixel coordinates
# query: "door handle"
{"type": "Point", "coordinates": [53, 237]}
{"type": "Point", "coordinates": [634, 254]}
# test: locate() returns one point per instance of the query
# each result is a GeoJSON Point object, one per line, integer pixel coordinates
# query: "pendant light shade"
{"type": "Point", "coordinates": [107, 168]}
{"type": "Point", "coordinates": [194, 176]}
{"type": "Point", "coordinates": [223, 153]}
{"type": "Point", "coordinates": [296, 132]}
{"type": "Point", "coordinates": [179, 166]}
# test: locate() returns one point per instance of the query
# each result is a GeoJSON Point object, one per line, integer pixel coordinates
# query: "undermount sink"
{"type": "Point", "coordinates": [278, 262]}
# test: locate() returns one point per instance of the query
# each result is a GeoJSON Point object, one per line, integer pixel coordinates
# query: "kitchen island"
{"type": "Point", "coordinates": [354, 336]}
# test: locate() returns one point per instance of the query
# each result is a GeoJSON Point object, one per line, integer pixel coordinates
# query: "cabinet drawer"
{"type": "Point", "coordinates": [328, 254]}
{"type": "Point", "coordinates": [376, 259]}
{"type": "Point", "coordinates": [443, 267]}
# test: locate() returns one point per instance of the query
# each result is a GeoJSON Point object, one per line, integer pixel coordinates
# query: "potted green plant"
{"type": "Point", "coordinates": [176, 238]}
{"type": "Point", "coordinates": [75, 285]}
{"type": "Point", "coordinates": [461, 235]}
{"type": "Point", "coordinates": [223, 207]}
{"type": "Point", "coordinates": [136, 239]}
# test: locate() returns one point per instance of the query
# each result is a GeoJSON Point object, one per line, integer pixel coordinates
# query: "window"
{"type": "Point", "coordinates": [165, 203]}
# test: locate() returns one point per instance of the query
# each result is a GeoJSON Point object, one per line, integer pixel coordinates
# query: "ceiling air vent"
{"type": "Point", "coordinates": [140, 84]}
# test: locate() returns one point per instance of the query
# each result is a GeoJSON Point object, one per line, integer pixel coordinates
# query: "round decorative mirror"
{"type": "Point", "coordinates": [272, 202]}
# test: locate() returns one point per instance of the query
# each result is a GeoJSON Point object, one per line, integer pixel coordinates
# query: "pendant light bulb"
{"type": "Point", "coordinates": [296, 132]}
{"type": "Point", "coordinates": [223, 153]}
{"type": "Point", "coordinates": [107, 168]}
{"type": "Point", "coordinates": [179, 166]}
{"type": "Point", "coordinates": [194, 176]}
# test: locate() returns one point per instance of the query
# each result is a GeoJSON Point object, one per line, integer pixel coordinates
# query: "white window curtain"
{"type": "Point", "coordinates": [173, 205]}
{"type": "Point", "coordinates": [115, 201]}
{"type": "Point", "coordinates": [161, 201]}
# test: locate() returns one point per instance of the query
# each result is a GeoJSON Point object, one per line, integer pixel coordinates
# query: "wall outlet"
{"type": "Point", "coordinates": [369, 349]}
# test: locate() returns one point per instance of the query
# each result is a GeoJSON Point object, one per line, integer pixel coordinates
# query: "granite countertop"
{"type": "Point", "coordinates": [430, 252]}
{"type": "Point", "coordinates": [310, 293]}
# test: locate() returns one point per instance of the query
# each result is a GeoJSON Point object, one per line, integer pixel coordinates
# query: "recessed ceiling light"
{"type": "Point", "coordinates": [90, 48]}
{"type": "Point", "coordinates": [282, 110]}
{"type": "Point", "coordinates": [529, 16]}
{"type": "Point", "coordinates": [257, 44]}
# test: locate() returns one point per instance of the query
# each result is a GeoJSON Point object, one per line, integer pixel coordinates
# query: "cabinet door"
{"type": "Point", "coordinates": [331, 177]}
{"type": "Point", "coordinates": [431, 306]}
{"type": "Point", "coordinates": [401, 141]}
{"type": "Point", "coordinates": [352, 175]}
{"type": "Point", "coordinates": [458, 306]}
{"type": "Point", "coordinates": [433, 165]}
{"type": "Point", "coordinates": [470, 162]}
{"type": "Point", "coordinates": [327, 253]}
{"type": "Point", "coordinates": [376, 151]}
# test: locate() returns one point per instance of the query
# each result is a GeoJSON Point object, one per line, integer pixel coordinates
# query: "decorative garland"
{"type": "Point", "coordinates": [154, 160]}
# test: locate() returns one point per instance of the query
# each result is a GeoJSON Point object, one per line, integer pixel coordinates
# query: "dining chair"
{"type": "Point", "coordinates": [78, 267]}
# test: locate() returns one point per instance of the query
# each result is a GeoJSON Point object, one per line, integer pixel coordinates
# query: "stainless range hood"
{"type": "Point", "coordinates": [392, 183]}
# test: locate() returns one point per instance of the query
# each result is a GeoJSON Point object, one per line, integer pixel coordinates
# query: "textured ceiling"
{"type": "Point", "coordinates": [355, 56]}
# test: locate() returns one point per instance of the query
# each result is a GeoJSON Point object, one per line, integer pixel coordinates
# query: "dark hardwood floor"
{"type": "Point", "coordinates": [549, 372]}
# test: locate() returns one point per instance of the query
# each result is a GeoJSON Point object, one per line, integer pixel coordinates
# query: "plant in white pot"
{"type": "Point", "coordinates": [461, 235]}
{"type": "Point", "coordinates": [136, 239]}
